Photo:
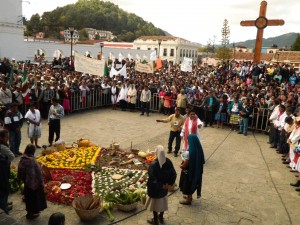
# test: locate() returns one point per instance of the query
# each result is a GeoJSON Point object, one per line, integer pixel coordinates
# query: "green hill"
{"type": "Point", "coordinates": [282, 41]}
{"type": "Point", "coordinates": [95, 14]}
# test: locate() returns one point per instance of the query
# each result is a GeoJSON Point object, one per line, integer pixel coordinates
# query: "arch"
{"type": "Point", "coordinates": [88, 54]}
{"type": "Point", "coordinates": [40, 55]}
{"type": "Point", "coordinates": [58, 53]}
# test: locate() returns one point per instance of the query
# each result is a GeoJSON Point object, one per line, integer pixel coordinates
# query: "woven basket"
{"type": "Point", "coordinates": [127, 208]}
{"type": "Point", "coordinates": [86, 215]}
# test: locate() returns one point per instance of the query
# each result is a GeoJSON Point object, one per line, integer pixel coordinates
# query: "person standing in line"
{"type": "Point", "coordinates": [6, 157]}
{"type": "Point", "coordinates": [30, 172]}
{"type": "Point", "coordinates": [56, 112]}
{"type": "Point", "coordinates": [131, 97]}
{"type": "Point", "coordinates": [45, 99]}
{"type": "Point", "coordinates": [192, 170]}
{"type": "Point", "coordinates": [13, 122]}
{"type": "Point", "coordinates": [182, 101]}
{"type": "Point", "coordinates": [191, 125]}
{"type": "Point", "coordinates": [176, 120]}
{"type": "Point", "coordinates": [161, 174]}
{"type": "Point", "coordinates": [122, 97]}
{"type": "Point", "coordinates": [145, 100]}
{"type": "Point", "coordinates": [210, 104]}
{"type": "Point", "coordinates": [33, 117]}
{"type": "Point", "coordinates": [114, 94]}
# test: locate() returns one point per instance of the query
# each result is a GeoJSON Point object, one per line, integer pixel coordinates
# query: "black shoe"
{"type": "Point", "coordinates": [273, 146]}
{"type": "Point", "coordinates": [175, 154]}
{"type": "Point", "coordinates": [285, 162]}
{"type": "Point", "coordinates": [141, 114]}
{"type": "Point", "coordinates": [297, 189]}
{"type": "Point", "coordinates": [245, 134]}
{"type": "Point", "coordinates": [240, 132]}
{"type": "Point", "coordinates": [50, 145]}
{"type": "Point", "coordinates": [19, 153]}
{"type": "Point", "coordinates": [153, 221]}
{"type": "Point", "coordinates": [161, 220]}
{"type": "Point", "coordinates": [297, 184]}
{"type": "Point", "coordinates": [32, 216]}
{"type": "Point", "coordinates": [37, 146]}
{"type": "Point", "coordinates": [169, 152]}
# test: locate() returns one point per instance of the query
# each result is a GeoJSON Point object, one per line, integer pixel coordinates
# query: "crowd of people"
{"type": "Point", "coordinates": [243, 95]}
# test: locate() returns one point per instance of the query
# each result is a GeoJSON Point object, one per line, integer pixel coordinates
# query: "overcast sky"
{"type": "Point", "coordinates": [195, 20]}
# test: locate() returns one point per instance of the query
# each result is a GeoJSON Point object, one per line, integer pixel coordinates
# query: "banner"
{"type": "Point", "coordinates": [84, 64]}
{"type": "Point", "coordinates": [144, 68]}
{"type": "Point", "coordinates": [186, 65]}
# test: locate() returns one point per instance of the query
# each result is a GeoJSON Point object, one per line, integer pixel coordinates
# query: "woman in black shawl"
{"type": "Point", "coordinates": [29, 171]}
{"type": "Point", "coordinates": [192, 169]}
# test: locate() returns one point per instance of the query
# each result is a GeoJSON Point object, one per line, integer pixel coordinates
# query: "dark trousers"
{"type": "Point", "coordinates": [45, 106]}
{"type": "Point", "coordinates": [131, 106]}
{"type": "Point", "coordinates": [174, 134]}
{"type": "Point", "coordinates": [54, 128]}
{"type": "Point", "coordinates": [123, 105]}
{"type": "Point", "coordinates": [209, 117]}
{"type": "Point", "coordinates": [271, 133]}
{"type": "Point", "coordinates": [14, 141]}
{"type": "Point", "coordinates": [145, 106]}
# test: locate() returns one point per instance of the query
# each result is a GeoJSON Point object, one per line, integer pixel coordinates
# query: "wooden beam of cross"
{"type": "Point", "coordinates": [261, 23]}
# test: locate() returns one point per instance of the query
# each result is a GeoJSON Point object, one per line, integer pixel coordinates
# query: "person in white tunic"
{"type": "Point", "coordinates": [293, 141]}
{"type": "Point", "coordinates": [122, 97]}
{"type": "Point", "coordinates": [33, 117]}
{"type": "Point", "coordinates": [131, 97]}
{"type": "Point", "coordinates": [114, 95]}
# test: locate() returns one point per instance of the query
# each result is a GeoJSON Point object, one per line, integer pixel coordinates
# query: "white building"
{"type": "Point", "coordinates": [170, 48]}
{"type": "Point", "coordinates": [102, 34]}
{"type": "Point", "coordinates": [11, 29]}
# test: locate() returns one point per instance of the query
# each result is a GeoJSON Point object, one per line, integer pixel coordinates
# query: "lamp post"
{"type": "Point", "coordinates": [71, 29]}
{"type": "Point", "coordinates": [159, 43]}
{"type": "Point", "coordinates": [101, 46]}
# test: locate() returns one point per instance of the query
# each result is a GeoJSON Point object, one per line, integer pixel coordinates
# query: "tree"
{"type": "Point", "coordinates": [296, 45]}
{"type": "Point", "coordinates": [225, 33]}
{"type": "Point", "coordinates": [83, 35]}
{"type": "Point", "coordinates": [223, 53]}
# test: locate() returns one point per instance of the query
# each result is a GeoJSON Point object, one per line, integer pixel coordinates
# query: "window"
{"type": "Point", "coordinates": [180, 52]}
{"type": "Point", "coordinates": [190, 53]}
{"type": "Point", "coordinates": [155, 49]}
{"type": "Point", "coordinates": [165, 52]}
{"type": "Point", "coordinates": [172, 52]}
{"type": "Point", "coordinates": [183, 52]}
{"type": "Point", "coordinates": [138, 48]}
{"type": "Point", "coordinates": [149, 48]}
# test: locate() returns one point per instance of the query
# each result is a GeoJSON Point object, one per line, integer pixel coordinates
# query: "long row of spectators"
{"type": "Point", "coordinates": [243, 94]}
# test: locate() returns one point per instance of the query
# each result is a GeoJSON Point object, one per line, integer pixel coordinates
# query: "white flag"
{"type": "Point", "coordinates": [121, 57]}
{"type": "Point", "coordinates": [123, 71]}
{"type": "Point", "coordinates": [129, 56]}
{"type": "Point", "coordinates": [153, 56]}
{"type": "Point", "coordinates": [113, 72]}
{"type": "Point", "coordinates": [137, 57]}
{"type": "Point", "coordinates": [144, 57]}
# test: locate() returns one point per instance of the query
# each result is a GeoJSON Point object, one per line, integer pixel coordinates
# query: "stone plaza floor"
{"type": "Point", "coordinates": [244, 181]}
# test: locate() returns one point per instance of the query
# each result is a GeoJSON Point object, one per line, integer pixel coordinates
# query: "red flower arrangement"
{"type": "Point", "coordinates": [80, 185]}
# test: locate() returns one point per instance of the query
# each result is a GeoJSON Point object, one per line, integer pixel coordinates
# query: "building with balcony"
{"type": "Point", "coordinates": [170, 48]}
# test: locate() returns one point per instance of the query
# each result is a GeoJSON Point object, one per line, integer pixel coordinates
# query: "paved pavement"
{"type": "Point", "coordinates": [244, 181]}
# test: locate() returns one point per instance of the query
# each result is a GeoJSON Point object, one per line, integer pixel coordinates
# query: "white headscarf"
{"type": "Point", "coordinates": [160, 154]}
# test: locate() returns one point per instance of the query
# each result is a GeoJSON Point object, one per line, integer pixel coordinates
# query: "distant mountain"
{"type": "Point", "coordinates": [282, 41]}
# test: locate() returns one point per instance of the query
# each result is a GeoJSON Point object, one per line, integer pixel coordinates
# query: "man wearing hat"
{"type": "Point", "coordinates": [176, 120]}
{"type": "Point", "coordinates": [13, 122]}
{"type": "Point", "coordinates": [45, 99]}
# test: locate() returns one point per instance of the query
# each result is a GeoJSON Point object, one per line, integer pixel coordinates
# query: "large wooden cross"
{"type": "Point", "coordinates": [261, 23]}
